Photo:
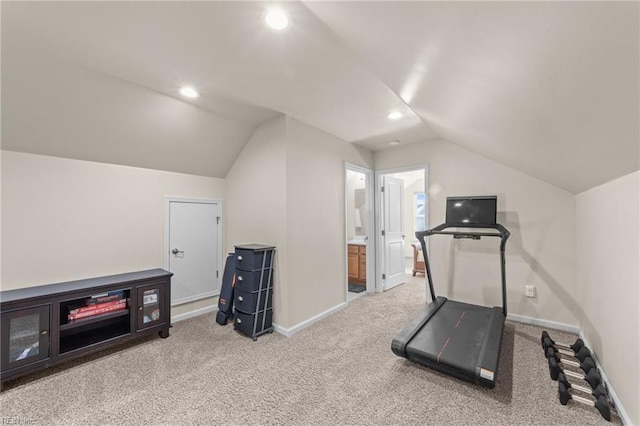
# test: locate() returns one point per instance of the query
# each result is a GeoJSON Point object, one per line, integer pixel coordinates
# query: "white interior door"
{"type": "Point", "coordinates": [193, 250]}
{"type": "Point", "coordinates": [393, 238]}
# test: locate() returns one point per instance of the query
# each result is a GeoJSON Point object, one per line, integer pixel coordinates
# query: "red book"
{"type": "Point", "coordinates": [91, 308]}
{"type": "Point", "coordinates": [111, 308]}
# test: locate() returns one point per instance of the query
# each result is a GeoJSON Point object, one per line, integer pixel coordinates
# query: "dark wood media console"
{"type": "Point", "coordinates": [46, 325]}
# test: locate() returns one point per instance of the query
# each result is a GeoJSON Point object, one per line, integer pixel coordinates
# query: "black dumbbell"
{"type": "Point", "coordinates": [575, 347]}
{"type": "Point", "coordinates": [592, 377]}
{"type": "Point", "coordinates": [601, 403]}
{"type": "Point", "coordinates": [597, 392]}
{"type": "Point", "coordinates": [585, 365]}
{"type": "Point", "coordinates": [581, 353]}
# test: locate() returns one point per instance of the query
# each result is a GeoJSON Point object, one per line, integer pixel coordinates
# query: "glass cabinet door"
{"type": "Point", "coordinates": [25, 336]}
{"type": "Point", "coordinates": [150, 306]}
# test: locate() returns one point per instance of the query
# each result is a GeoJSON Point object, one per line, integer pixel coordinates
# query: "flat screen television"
{"type": "Point", "coordinates": [475, 210]}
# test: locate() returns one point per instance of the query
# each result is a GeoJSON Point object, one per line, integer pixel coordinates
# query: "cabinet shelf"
{"type": "Point", "coordinates": [89, 337]}
{"type": "Point", "coordinates": [94, 319]}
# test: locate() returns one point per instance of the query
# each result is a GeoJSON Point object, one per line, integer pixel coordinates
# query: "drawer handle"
{"type": "Point", "coordinates": [240, 299]}
{"type": "Point", "coordinates": [239, 277]}
{"type": "Point", "coordinates": [44, 332]}
{"type": "Point", "coordinates": [239, 321]}
{"type": "Point", "coordinates": [240, 258]}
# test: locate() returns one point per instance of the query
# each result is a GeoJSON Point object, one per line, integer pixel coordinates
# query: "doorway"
{"type": "Point", "coordinates": [360, 247]}
{"type": "Point", "coordinates": [401, 209]}
{"type": "Point", "coordinates": [193, 248]}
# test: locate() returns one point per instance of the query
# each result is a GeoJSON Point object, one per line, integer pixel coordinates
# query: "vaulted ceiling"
{"type": "Point", "coordinates": [549, 88]}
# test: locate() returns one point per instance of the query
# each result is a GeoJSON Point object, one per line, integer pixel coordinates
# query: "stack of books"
{"type": "Point", "coordinates": [99, 304]}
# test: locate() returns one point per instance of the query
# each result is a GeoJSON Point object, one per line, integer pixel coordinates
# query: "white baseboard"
{"type": "Point", "coordinates": [616, 402]}
{"type": "Point", "coordinates": [194, 313]}
{"type": "Point", "coordinates": [570, 328]}
{"type": "Point", "coordinates": [288, 332]}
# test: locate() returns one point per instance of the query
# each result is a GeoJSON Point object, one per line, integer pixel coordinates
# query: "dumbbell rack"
{"type": "Point", "coordinates": [591, 375]}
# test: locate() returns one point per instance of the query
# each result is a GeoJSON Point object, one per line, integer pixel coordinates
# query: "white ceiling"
{"type": "Point", "coordinates": [549, 88]}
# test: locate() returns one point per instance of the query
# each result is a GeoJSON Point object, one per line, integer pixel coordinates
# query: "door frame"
{"type": "Point", "coordinates": [166, 249]}
{"type": "Point", "coordinates": [370, 241]}
{"type": "Point", "coordinates": [378, 213]}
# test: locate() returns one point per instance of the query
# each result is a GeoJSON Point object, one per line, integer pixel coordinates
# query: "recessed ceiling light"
{"type": "Point", "coordinates": [277, 19]}
{"type": "Point", "coordinates": [189, 92]}
{"type": "Point", "coordinates": [394, 143]}
{"type": "Point", "coordinates": [394, 115]}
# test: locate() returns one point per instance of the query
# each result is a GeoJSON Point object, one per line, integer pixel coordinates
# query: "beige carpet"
{"type": "Point", "coordinates": [339, 371]}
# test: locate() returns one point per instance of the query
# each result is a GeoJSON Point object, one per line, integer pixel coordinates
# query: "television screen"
{"type": "Point", "coordinates": [472, 210]}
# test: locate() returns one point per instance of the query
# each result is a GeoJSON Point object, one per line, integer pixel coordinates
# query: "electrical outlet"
{"type": "Point", "coordinates": [529, 291]}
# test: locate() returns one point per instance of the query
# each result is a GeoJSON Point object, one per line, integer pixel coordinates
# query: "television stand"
{"type": "Point", "coordinates": [47, 325]}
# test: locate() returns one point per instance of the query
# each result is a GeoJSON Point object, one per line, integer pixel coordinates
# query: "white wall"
{"type": "Point", "coordinates": [540, 216]}
{"type": "Point", "coordinates": [257, 201]}
{"type": "Point", "coordinates": [316, 218]}
{"type": "Point", "coordinates": [355, 180]}
{"type": "Point", "coordinates": [287, 189]}
{"type": "Point", "coordinates": [70, 219]}
{"type": "Point", "coordinates": [608, 247]}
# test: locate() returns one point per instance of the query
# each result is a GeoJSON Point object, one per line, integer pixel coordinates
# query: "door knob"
{"type": "Point", "coordinates": [176, 251]}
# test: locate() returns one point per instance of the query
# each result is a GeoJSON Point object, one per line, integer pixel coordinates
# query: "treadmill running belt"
{"type": "Point", "coordinates": [459, 339]}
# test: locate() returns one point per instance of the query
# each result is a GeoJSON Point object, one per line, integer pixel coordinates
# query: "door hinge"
{"type": "Point", "coordinates": [384, 276]}
{"type": "Point", "coordinates": [218, 220]}
{"type": "Point", "coordinates": [383, 233]}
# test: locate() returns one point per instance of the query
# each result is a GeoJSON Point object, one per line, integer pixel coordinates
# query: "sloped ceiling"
{"type": "Point", "coordinates": [548, 88]}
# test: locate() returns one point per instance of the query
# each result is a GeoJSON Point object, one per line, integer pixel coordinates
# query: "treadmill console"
{"type": "Point", "coordinates": [461, 236]}
{"type": "Point", "coordinates": [472, 210]}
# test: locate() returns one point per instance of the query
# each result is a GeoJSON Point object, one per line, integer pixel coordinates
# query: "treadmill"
{"type": "Point", "coordinates": [459, 338]}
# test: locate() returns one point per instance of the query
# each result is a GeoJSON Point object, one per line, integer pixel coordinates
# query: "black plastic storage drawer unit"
{"type": "Point", "coordinates": [252, 281]}
{"type": "Point", "coordinates": [251, 257]}
{"type": "Point", "coordinates": [252, 301]}
{"type": "Point", "coordinates": [254, 289]}
{"type": "Point", "coordinates": [246, 323]}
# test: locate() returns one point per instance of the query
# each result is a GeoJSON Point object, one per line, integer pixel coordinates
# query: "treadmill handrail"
{"type": "Point", "coordinates": [503, 233]}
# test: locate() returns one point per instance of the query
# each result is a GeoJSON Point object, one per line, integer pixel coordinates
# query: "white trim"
{"type": "Point", "coordinates": [194, 313]}
{"type": "Point", "coordinates": [165, 258]}
{"type": "Point", "coordinates": [570, 328]}
{"type": "Point", "coordinates": [614, 397]}
{"type": "Point", "coordinates": [288, 332]}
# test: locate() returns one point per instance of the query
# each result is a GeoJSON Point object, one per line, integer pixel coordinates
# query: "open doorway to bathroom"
{"type": "Point", "coordinates": [359, 229]}
{"type": "Point", "coordinates": [401, 209]}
